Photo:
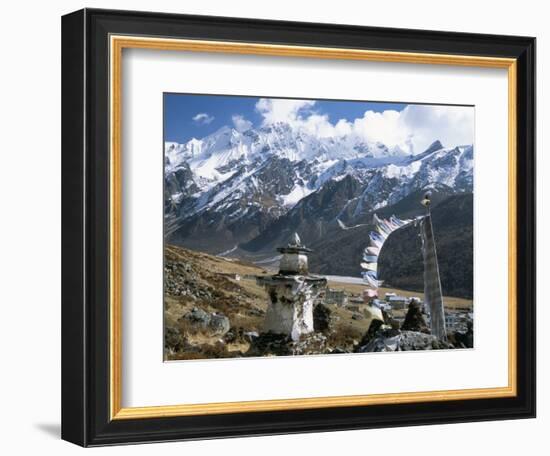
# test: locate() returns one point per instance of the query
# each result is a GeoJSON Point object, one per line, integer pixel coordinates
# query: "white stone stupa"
{"type": "Point", "coordinates": [292, 292]}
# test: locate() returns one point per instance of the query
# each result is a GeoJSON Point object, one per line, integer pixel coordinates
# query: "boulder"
{"type": "Point", "coordinates": [384, 340]}
{"type": "Point", "coordinates": [198, 317]}
{"type": "Point", "coordinates": [212, 324]}
{"type": "Point", "coordinates": [272, 344]}
{"type": "Point", "coordinates": [375, 325]}
{"type": "Point", "coordinates": [218, 324]}
{"type": "Point", "coordinates": [321, 318]}
{"type": "Point", "coordinates": [414, 320]}
{"type": "Point", "coordinates": [465, 339]}
{"type": "Point", "coordinates": [387, 340]}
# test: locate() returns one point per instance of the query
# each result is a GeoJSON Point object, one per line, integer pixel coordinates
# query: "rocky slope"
{"type": "Point", "coordinates": [213, 308]}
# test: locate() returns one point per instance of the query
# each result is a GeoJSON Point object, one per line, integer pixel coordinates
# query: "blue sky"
{"type": "Point", "coordinates": [187, 116]}
{"type": "Point", "coordinates": [410, 127]}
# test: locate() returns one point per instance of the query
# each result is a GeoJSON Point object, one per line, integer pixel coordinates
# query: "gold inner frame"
{"type": "Point", "coordinates": [117, 44]}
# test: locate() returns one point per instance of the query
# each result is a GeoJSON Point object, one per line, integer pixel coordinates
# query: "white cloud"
{"type": "Point", "coordinates": [386, 127]}
{"type": "Point", "coordinates": [417, 126]}
{"type": "Point", "coordinates": [240, 123]}
{"type": "Point", "coordinates": [452, 125]}
{"type": "Point", "coordinates": [413, 129]}
{"type": "Point", "coordinates": [202, 118]}
{"type": "Point", "coordinates": [299, 115]}
{"type": "Point", "coordinates": [278, 110]}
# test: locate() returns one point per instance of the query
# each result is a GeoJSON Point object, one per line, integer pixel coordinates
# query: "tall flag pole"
{"type": "Point", "coordinates": [433, 297]}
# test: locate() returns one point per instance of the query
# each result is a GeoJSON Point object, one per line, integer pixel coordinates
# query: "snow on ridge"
{"type": "Point", "coordinates": [296, 194]}
{"type": "Point", "coordinates": [225, 162]}
{"type": "Point", "coordinates": [396, 171]}
{"type": "Point", "coordinates": [217, 149]}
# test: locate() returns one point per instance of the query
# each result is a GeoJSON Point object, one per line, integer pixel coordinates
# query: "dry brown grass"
{"type": "Point", "coordinates": [242, 301]}
{"type": "Point", "coordinates": [247, 323]}
{"type": "Point", "coordinates": [347, 335]}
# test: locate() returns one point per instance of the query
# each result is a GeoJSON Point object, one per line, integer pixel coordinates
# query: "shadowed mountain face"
{"type": "Point", "coordinates": [312, 217]}
{"type": "Point", "coordinates": [401, 262]}
{"type": "Point", "coordinates": [248, 192]}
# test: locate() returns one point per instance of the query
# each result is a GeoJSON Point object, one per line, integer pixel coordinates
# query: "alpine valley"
{"type": "Point", "coordinates": [241, 194]}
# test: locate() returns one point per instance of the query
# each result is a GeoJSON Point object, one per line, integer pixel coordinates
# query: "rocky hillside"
{"type": "Point", "coordinates": [214, 309]}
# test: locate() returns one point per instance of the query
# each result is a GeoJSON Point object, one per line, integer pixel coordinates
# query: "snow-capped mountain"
{"type": "Point", "coordinates": [228, 146]}
{"type": "Point", "coordinates": [231, 188]}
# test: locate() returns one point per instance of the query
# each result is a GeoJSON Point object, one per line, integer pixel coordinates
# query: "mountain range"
{"type": "Point", "coordinates": [244, 193]}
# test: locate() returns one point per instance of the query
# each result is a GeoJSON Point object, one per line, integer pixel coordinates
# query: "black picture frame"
{"type": "Point", "coordinates": [85, 228]}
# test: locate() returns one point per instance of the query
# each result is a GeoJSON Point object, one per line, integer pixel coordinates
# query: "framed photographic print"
{"type": "Point", "coordinates": [278, 227]}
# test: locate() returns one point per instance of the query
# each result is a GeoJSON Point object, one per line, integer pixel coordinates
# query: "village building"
{"type": "Point", "coordinates": [336, 297]}
{"type": "Point", "coordinates": [457, 321]}
{"type": "Point", "coordinates": [397, 302]}
{"type": "Point", "coordinates": [383, 305]}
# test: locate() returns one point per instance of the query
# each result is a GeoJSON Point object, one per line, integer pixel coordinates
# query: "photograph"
{"type": "Point", "coordinates": [316, 227]}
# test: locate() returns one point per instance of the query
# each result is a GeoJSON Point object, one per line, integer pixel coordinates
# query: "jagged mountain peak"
{"type": "Point", "coordinates": [436, 145]}
{"type": "Point", "coordinates": [236, 185]}
{"type": "Point", "coordinates": [279, 139]}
